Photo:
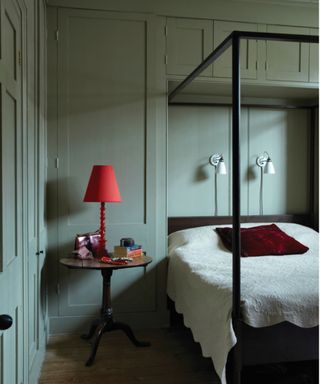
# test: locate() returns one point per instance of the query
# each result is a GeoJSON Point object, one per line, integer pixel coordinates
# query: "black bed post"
{"type": "Point", "coordinates": [236, 240]}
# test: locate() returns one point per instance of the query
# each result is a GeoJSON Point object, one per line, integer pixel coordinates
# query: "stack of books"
{"type": "Point", "coordinates": [130, 251]}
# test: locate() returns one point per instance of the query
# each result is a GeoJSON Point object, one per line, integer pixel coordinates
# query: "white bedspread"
{"type": "Point", "coordinates": [273, 288]}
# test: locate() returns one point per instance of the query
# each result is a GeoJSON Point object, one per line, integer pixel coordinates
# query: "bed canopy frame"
{"type": "Point", "coordinates": [240, 328]}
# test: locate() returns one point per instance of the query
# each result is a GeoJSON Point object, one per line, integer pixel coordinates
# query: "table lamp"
{"type": "Point", "coordinates": [102, 188]}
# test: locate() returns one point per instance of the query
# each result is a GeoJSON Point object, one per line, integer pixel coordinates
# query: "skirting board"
{"type": "Point", "coordinates": [34, 373]}
{"type": "Point", "coordinates": [80, 324]}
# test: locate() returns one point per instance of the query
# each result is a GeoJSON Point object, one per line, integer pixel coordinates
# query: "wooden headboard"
{"type": "Point", "coordinates": [178, 223]}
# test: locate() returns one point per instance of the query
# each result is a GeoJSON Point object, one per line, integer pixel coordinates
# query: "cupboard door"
{"type": "Point", "coordinates": [189, 42]}
{"type": "Point", "coordinates": [248, 50]}
{"type": "Point", "coordinates": [287, 61]}
{"type": "Point", "coordinates": [314, 59]}
{"type": "Point", "coordinates": [12, 208]}
{"type": "Point", "coordinates": [32, 193]}
{"type": "Point", "coordinates": [104, 118]}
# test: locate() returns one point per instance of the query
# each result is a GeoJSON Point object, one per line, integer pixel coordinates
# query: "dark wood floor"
{"type": "Point", "coordinates": [173, 358]}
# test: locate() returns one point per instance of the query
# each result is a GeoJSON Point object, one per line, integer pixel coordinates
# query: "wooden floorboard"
{"type": "Point", "coordinates": [172, 358]}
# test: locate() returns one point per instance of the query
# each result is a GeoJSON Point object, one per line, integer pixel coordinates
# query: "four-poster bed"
{"type": "Point", "coordinates": [304, 341]}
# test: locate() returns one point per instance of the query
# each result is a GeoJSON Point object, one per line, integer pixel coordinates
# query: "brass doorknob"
{"type": "Point", "coordinates": [5, 322]}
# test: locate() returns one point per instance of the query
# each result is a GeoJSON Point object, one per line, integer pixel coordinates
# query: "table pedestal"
{"type": "Point", "coordinates": [105, 323]}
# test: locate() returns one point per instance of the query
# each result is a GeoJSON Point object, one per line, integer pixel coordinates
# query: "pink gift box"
{"type": "Point", "coordinates": [89, 240]}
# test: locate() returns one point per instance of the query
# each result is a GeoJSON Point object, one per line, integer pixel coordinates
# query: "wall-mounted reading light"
{"type": "Point", "coordinates": [265, 163]}
{"type": "Point", "coordinates": [266, 166]}
{"type": "Point", "coordinates": [217, 161]}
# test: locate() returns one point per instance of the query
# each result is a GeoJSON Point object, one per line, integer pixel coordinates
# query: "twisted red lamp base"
{"type": "Point", "coordinates": [102, 243]}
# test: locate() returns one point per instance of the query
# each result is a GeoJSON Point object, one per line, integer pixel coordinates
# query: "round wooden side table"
{"type": "Point", "coordinates": [105, 322]}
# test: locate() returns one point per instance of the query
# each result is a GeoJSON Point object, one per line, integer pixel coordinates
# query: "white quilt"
{"type": "Point", "coordinates": [273, 288]}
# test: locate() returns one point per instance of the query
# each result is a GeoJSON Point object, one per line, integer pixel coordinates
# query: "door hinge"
{"type": "Point", "coordinates": [58, 289]}
{"type": "Point", "coordinates": [166, 59]}
{"type": "Point", "coordinates": [266, 66]}
{"type": "Point", "coordinates": [256, 65]}
{"type": "Point", "coordinates": [56, 161]}
{"type": "Point", "coordinates": [57, 35]}
{"type": "Point", "coordinates": [19, 58]}
{"type": "Point", "coordinates": [166, 30]}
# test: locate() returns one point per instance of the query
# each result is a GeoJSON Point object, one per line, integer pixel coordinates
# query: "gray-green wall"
{"type": "Point", "coordinates": [195, 133]}
{"type": "Point", "coordinates": [95, 116]}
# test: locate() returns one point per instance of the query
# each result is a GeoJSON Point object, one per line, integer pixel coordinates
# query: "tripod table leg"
{"type": "Point", "coordinates": [97, 336]}
{"type": "Point", "coordinates": [93, 327]}
{"type": "Point", "coordinates": [128, 331]}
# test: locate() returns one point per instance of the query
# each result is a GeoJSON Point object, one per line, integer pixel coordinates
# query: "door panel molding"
{"type": "Point", "coordinates": [287, 61]}
{"type": "Point", "coordinates": [10, 229]}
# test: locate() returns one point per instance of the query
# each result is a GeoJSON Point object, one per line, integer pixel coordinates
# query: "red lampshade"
{"type": "Point", "coordinates": [102, 186]}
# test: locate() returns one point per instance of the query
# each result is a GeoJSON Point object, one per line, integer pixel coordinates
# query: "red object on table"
{"type": "Point", "coordinates": [102, 188]}
{"type": "Point", "coordinates": [109, 260]}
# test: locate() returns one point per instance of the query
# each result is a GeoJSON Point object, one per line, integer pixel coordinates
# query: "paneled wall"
{"type": "Point", "coordinates": [197, 132]}
{"type": "Point", "coordinates": [108, 71]}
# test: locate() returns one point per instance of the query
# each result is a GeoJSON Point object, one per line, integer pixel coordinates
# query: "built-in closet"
{"type": "Point", "coordinates": [23, 298]}
{"type": "Point", "coordinates": [104, 102]}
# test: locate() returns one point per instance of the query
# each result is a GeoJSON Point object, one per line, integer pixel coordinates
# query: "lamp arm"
{"type": "Point", "coordinates": [214, 159]}
{"type": "Point", "coordinates": [261, 160]}
{"type": "Point", "coordinates": [266, 154]}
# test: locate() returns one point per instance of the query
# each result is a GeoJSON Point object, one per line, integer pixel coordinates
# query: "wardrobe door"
{"type": "Point", "coordinates": [287, 61]}
{"type": "Point", "coordinates": [248, 50]}
{"type": "Point", "coordinates": [35, 181]}
{"type": "Point", "coordinates": [42, 171]}
{"type": "Point", "coordinates": [12, 20]}
{"type": "Point", "coordinates": [189, 42]}
{"type": "Point", "coordinates": [104, 117]}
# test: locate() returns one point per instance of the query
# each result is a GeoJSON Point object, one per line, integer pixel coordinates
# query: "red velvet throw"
{"type": "Point", "coordinates": [262, 240]}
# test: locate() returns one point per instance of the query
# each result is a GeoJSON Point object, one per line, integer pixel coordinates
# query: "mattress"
{"type": "Point", "coordinates": [273, 288]}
